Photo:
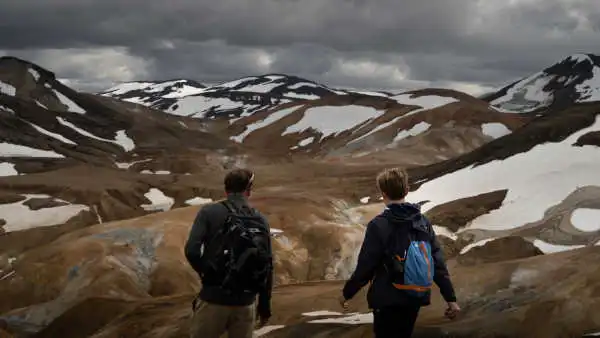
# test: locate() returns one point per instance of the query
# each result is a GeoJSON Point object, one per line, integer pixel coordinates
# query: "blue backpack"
{"type": "Point", "coordinates": [411, 271]}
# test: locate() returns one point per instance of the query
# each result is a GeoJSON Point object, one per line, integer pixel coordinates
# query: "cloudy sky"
{"type": "Point", "coordinates": [470, 45]}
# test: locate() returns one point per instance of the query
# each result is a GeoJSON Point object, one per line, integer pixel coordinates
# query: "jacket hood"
{"type": "Point", "coordinates": [403, 213]}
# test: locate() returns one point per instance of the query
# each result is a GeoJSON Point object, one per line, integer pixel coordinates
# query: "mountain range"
{"type": "Point", "coordinates": [98, 191]}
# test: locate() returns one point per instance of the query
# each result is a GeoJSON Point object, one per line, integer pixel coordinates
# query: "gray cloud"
{"type": "Point", "coordinates": [374, 44]}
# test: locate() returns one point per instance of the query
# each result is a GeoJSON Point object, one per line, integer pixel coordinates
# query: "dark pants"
{"type": "Point", "coordinates": [395, 322]}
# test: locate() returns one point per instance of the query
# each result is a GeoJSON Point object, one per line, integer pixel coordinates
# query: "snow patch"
{"type": "Point", "coordinates": [443, 231]}
{"type": "Point", "coordinates": [417, 129]}
{"type": "Point", "coordinates": [495, 129]}
{"type": "Point", "coordinates": [276, 231]}
{"type": "Point", "coordinates": [357, 319]}
{"type": "Point", "coordinates": [19, 216]}
{"type": "Point", "coordinates": [8, 169]}
{"type": "Point", "coordinates": [549, 248]}
{"type": "Point", "coordinates": [589, 90]}
{"type": "Point", "coordinates": [71, 106]}
{"type": "Point", "coordinates": [124, 141]}
{"type": "Point", "coordinates": [158, 200]}
{"type": "Point", "coordinates": [476, 244]}
{"type": "Point", "coordinates": [527, 94]}
{"type": "Point", "coordinates": [322, 313]}
{"type": "Point", "coordinates": [34, 73]}
{"type": "Point", "coordinates": [267, 329]}
{"type": "Point", "coordinates": [198, 201]}
{"type": "Point", "coordinates": [332, 120]}
{"type": "Point", "coordinates": [158, 172]}
{"type": "Point", "coordinates": [302, 84]}
{"type": "Point", "coordinates": [7, 89]}
{"type": "Point", "coordinates": [306, 141]}
{"type": "Point", "coordinates": [426, 102]}
{"type": "Point", "coordinates": [51, 134]}
{"type": "Point", "coordinates": [587, 220]}
{"type": "Point", "coordinates": [302, 96]}
{"type": "Point", "coordinates": [121, 138]}
{"type": "Point", "coordinates": [16, 150]}
{"type": "Point", "coordinates": [365, 200]}
{"type": "Point", "coordinates": [6, 109]}
{"type": "Point", "coordinates": [526, 176]}
{"type": "Point", "coordinates": [276, 116]}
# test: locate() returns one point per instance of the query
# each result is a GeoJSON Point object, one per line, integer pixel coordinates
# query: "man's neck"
{"type": "Point", "coordinates": [396, 201]}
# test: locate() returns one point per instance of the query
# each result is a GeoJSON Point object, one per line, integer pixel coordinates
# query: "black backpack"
{"type": "Point", "coordinates": [238, 257]}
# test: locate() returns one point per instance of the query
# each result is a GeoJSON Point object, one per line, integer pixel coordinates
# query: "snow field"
{"type": "Point", "coordinates": [586, 220]}
{"type": "Point", "coordinates": [8, 169]}
{"type": "Point", "coordinates": [158, 201]}
{"type": "Point", "coordinates": [121, 138]}
{"type": "Point", "coordinates": [16, 150]}
{"type": "Point", "coordinates": [495, 129]}
{"type": "Point", "coordinates": [19, 216]}
{"type": "Point", "coordinates": [526, 176]}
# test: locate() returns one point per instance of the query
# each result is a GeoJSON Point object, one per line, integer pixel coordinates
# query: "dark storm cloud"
{"type": "Point", "coordinates": [358, 43]}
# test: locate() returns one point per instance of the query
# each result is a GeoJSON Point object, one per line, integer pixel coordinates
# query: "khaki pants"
{"type": "Point", "coordinates": [212, 321]}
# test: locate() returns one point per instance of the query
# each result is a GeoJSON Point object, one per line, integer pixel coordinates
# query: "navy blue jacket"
{"type": "Point", "coordinates": [402, 218]}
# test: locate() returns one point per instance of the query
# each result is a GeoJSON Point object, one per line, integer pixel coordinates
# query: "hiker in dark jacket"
{"type": "Point", "coordinates": [216, 310]}
{"type": "Point", "coordinates": [395, 309]}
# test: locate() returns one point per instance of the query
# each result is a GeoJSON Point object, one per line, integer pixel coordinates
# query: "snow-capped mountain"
{"type": "Point", "coordinates": [231, 99]}
{"type": "Point", "coordinates": [576, 79]}
{"type": "Point", "coordinates": [301, 116]}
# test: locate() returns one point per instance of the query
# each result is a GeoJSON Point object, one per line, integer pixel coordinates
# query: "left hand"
{"type": "Point", "coordinates": [344, 303]}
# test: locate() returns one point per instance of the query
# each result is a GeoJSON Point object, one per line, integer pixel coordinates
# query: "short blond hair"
{"type": "Point", "coordinates": [393, 182]}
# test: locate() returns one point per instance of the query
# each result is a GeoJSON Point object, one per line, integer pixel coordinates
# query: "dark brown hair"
{"type": "Point", "coordinates": [393, 182]}
{"type": "Point", "coordinates": [238, 180]}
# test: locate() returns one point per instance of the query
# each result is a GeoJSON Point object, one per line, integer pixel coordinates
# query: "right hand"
{"type": "Point", "coordinates": [452, 311]}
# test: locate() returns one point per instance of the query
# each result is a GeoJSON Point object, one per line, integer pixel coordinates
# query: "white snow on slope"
{"type": "Point", "coordinates": [549, 248]}
{"type": "Point", "coordinates": [121, 138]}
{"type": "Point", "coordinates": [124, 141]}
{"type": "Point", "coordinates": [197, 106]}
{"type": "Point", "coordinates": [7, 109]}
{"type": "Point", "coordinates": [426, 102]}
{"type": "Point", "coordinates": [20, 217]}
{"type": "Point", "coordinates": [267, 329]}
{"type": "Point", "coordinates": [443, 231]}
{"type": "Point", "coordinates": [198, 201]}
{"type": "Point", "coordinates": [184, 91]}
{"type": "Point", "coordinates": [262, 88]}
{"type": "Point", "coordinates": [495, 129]}
{"type": "Point", "coordinates": [475, 245]}
{"type": "Point", "coordinates": [587, 220]}
{"type": "Point", "coordinates": [417, 129]}
{"type": "Point", "coordinates": [158, 201]}
{"type": "Point", "coordinates": [357, 319]}
{"type": "Point", "coordinates": [527, 94]}
{"type": "Point", "coordinates": [16, 150]}
{"type": "Point", "coordinates": [34, 73]}
{"type": "Point", "coordinates": [123, 88]}
{"type": "Point", "coordinates": [158, 172]}
{"type": "Point", "coordinates": [71, 106]}
{"type": "Point", "coordinates": [7, 89]}
{"type": "Point", "coordinates": [276, 116]}
{"type": "Point", "coordinates": [302, 84]}
{"type": "Point", "coordinates": [51, 134]}
{"type": "Point", "coordinates": [589, 90]}
{"type": "Point", "coordinates": [322, 313]}
{"type": "Point", "coordinates": [306, 141]}
{"type": "Point", "coordinates": [8, 169]}
{"type": "Point", "coordinates": [330, 120]}
{"type": "Point", "coordinates": [40, 105]}
{"type": "Point", "coordinates": [526, 176]}
{"type": "Point", "coordinates": [301, 96]}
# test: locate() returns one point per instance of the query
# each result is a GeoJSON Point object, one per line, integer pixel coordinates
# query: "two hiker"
{"type": "Point", "coordinates": [230, 249]}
